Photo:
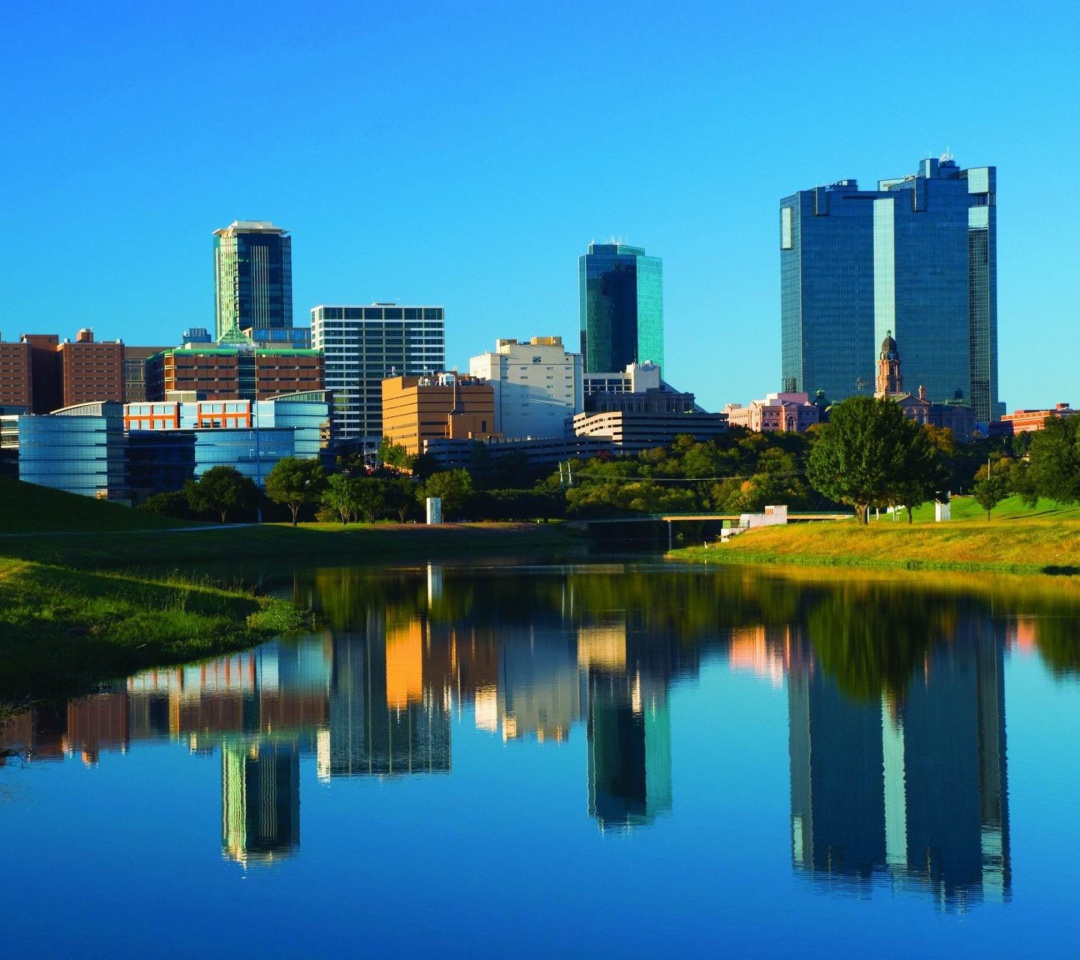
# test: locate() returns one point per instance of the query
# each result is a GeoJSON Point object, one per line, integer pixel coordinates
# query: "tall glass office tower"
{"type": "Point", "coordinates": [622, 307]}
{"type": "Point", "coordinates": [915, 259]}
{"type": "Point", "coordinates": [252, 276]}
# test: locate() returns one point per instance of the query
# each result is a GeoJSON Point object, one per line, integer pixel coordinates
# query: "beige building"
{"type": "Point", "coordinates": [415, 409]}
{"type": "Point", "coordinates": [537, 384]}
{"type": "Point", "coordinates": [778, 412]}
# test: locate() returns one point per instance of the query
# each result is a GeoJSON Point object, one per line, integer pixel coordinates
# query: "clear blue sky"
{"type": "Point", "coordinates": [466, 153]}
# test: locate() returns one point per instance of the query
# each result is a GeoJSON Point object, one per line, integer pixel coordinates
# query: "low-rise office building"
{"type": "Point", "coordinates": [633, 432]}
{"type": "Point", "coordinates": [537, 385]}
{"type": "Point", "coordinates": [444, 405]}
{"type": "Point", "coordinates": [109, 451]}
{"type": "Point", "coordinates": [1024, 421]}
{"type": "Point", "coordinates": [778, 412]}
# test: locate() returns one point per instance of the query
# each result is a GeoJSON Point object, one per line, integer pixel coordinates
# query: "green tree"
{"type": "Point", "coordinates": [394, 454]}
{"type": "Point", "coordinates": [1054, 460]}
{"type": "Point", "coordinates": [921, 474]}
{"type": "Point", "coordinates": [861, 454]}
{"type": "Point", "coordinates": [295, 483]}
{"type": "Point", "coordinates": [399, 497]}
{"type": "Point", "coordinates": [452, 486]}
{"type": "Point", "coordinates": [370, 497]}
{"type": "Point", "coordinates": [340, 496]}
{"type": "Point", "coordinates": [220, 490]}
{"type": "Point", "coordinates": [992, 484]}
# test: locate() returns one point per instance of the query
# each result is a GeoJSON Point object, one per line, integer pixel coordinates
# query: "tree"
{"type": "Point", "coordinates": [394, 455]}
{"type": "Point", "coordinates": [992, 485]}
{"type": "Point", "coordinates": [340, 496]}
{"type": "Point", "coordinates": [295, 482]}
{"type": "Point", "coordinates": [399, 497]}
{"type": "Point", "coordinates": [863, 455]}
{"type": "Point", "coordinates": [1054, 460]}
{"type": "Point", "coordinates": [452, 486]}
{"type": "Point", "coordinates": [922, 475]}
{"type": "Point", "coordinates": [221, 489]}
{"type": "Point", "coordinates": [368, 496]}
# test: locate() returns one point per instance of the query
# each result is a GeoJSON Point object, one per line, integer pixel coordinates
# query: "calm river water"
{"type": "Point", "coordinates": [589, 760]}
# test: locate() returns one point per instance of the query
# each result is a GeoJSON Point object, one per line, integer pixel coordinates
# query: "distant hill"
{"type": "Point", "coordinates": [28, 508]}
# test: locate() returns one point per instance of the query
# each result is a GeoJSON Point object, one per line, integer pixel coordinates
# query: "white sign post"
{"type": "Point", "coordinates": [434, 509]}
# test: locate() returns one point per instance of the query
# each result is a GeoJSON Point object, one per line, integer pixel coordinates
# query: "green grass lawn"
{"type": "Point", "coordinates": [29, 508]}
{"type": "Point", "coordinates": [1017, 540]}
{"type": "Point", "coordinates": [63, 631]}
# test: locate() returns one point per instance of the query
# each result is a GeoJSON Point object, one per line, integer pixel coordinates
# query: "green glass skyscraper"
{"type": "Point", "coordinates": [622, 307]}
{"type": "Point", "coordinates": [252, 277]}
{"type": "Point", "coordinates": [915, 259]}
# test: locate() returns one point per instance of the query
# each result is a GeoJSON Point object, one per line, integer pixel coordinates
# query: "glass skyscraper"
{"type": "Point", "coordinates": [915, 259]}
{"type": "Point", "coordinates": [252, 276]}
{"type": "Point", "coordinates": [622, 307]}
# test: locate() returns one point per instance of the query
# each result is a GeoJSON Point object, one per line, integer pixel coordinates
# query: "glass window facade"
{"type": "Point", "coordinates": [80, 451]}
{"type": "Point", "coordinates": [252, 276]}
{"type": "Point", "coordinates": [916, 259]}
{"type": "Point", "coordinates": [362, 346]}
{"type": "Point", "coordinates": [621, 307]}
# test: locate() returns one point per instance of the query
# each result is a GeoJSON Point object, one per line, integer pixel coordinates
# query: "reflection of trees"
{"type": "Point", "coordinates": [1057, 633]}
{"type": "Point", "coordinates": [687, 604]}
{"type": "Point", "coordinates": [873, 638]}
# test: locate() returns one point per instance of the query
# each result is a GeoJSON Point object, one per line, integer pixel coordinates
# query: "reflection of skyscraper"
{"type": "Point", "coordinates": [629, 732]}
{"type": "Point", "coordinates": [539, 684]}
{"type": "Point", "coordinates": [837, 803]}
{"type": "Point", "coordinates": [948, 765]}
{"type": "Point", "coordinates": [915, 789]}
{"type": "Point", "coordinates": [260, 800]}
{"type": "Point", "coordinates": [383, 722]}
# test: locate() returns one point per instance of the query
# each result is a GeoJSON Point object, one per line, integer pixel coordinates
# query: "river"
{"type": "Point", "coordinates": [572, 760]}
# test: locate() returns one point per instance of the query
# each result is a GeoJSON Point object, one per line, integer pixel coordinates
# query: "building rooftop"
{"type": "Point", "coordinates": [250, 226]}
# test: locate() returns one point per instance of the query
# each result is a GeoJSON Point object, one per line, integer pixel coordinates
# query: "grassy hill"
{"type": "Point", "coordinates": [29, 508]}
{"type": "Point", "coordinates": [1018, 539]}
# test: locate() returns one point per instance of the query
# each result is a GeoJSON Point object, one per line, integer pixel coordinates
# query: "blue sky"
{"type": "Point", "coordinates": [466, 153]}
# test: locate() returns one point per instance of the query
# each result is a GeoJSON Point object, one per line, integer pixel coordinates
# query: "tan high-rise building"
{"type": "Point", "coordinates": [447, 405]}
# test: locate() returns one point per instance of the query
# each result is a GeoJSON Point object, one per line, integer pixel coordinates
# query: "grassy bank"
{"type": "Point", "coordinates": [1032, 546]}
{"type": "Point", "coordinates": [78, 605]}
{"type": "Point", "coordinates": [64, 631]}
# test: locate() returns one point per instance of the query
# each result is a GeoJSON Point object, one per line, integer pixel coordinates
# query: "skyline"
{"type": "Point", "coordinates": [467, 155]}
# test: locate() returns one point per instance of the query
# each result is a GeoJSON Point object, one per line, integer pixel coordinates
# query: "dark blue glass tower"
{"type": "Point", "coordinates": [916, 258]}
{"type": "Point", "coordinates": [252, 277]}
{"type": "Point", "coordinates": [622, 307]}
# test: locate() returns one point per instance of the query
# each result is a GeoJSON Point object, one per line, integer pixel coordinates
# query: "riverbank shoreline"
{"type": "Point", "coordinates": [1031, 547]}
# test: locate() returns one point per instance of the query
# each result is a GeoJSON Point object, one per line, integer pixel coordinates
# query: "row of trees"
{"type": "Point", "coordinates": [868, 455]}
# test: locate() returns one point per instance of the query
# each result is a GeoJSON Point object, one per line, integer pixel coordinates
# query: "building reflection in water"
{"type": "Point", "coordinates": [907, 786]}
{"type": "Point", "coordinates": [260, 799]}
{"type": "Point", "coordinates": [910, 787]}
{"type": "Point", "coordinates": [383, 719]}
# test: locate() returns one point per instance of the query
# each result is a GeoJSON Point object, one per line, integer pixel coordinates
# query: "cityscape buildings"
{"type": "Point", "coordinates": [252, 276]}
{"type": "Point", "coordinates": [416, 409]}
{"type": "Point", "coordinates": [787, 412]}
{"type": "Point", "coordinates": [361, 347]}
{"type": "Point", "coordinates": [537, 384]}
{"type": "Point", "coordinates": [621, 307]}
{"type": "Point", "coordinates": [233, 369]}
{"type": "Point", "coordinates": [918, 258]}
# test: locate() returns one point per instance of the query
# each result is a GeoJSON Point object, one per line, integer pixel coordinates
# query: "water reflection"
{"type": "Point", "coordinates": [895, 699]}
{"type": "Point", "coordinates": [914, 787]}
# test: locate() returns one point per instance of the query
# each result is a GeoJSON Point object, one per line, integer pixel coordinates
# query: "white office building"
{"type": "Point", "coordinates": [362, 346]}
{"type": "Point", "coordinates": [537, 383]}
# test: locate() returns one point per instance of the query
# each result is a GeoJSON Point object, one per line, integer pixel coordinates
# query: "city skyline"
{"type": "Point", "coordinates": [475, 179]}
